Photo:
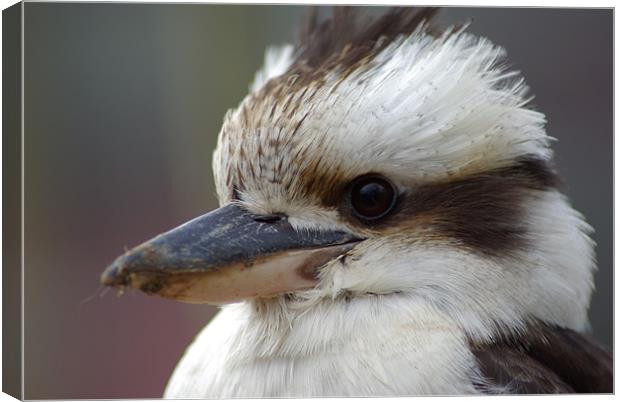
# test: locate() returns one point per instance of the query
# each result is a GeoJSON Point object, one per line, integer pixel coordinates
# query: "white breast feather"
{"type": "Point", "coordinates": [370, 346]}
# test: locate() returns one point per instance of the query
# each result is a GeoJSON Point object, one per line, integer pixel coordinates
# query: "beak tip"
{"type": "Point", "coordinates": [114, 275]}
{"type": "Point", "coordinates": [140, 259]}
{"type": "Point", "coordinates": [117, 273]}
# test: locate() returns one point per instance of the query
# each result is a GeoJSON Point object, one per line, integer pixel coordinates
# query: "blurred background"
{"type": "Point", "coordinates": [123, 105]}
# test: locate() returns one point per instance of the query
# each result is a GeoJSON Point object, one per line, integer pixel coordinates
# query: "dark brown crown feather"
{"type": "Point", "coordinates": [345, 42]}
{"type": "Point", "coordinates": [350, 31]}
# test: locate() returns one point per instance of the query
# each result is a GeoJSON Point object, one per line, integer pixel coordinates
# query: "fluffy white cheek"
{"type": "Point", "coordinates": [476, 292]}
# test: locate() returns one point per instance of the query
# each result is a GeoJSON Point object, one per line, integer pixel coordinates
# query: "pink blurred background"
{"type": "Point", "coordinates": [123, 106]}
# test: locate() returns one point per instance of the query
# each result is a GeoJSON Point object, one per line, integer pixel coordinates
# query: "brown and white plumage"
{"type": "Point", "coordinates": [547, 359]}
{"type": "Point", "coordinates": [477, 279]}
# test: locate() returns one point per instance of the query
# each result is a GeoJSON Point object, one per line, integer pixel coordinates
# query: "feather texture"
{"type": "Point", "coordinates": [481, 245]}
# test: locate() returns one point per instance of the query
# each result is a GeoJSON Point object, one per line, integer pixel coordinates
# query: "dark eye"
{"type": "Point", "coordinates": [372, 197]}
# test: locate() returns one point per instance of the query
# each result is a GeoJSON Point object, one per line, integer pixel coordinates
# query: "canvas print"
{"type": "Point", "coordinates": [252, 201]}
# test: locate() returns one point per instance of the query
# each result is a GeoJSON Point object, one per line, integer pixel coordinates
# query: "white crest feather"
{"type": "Point", "coordinates": [277, 60]}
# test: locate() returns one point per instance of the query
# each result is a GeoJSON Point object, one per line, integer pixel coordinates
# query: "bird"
{"type": "Point", "coordinates": [391, 223]}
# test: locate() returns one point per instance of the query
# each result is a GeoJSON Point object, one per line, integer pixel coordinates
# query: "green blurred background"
{"type": "Point", "coordinates": [123, 103]}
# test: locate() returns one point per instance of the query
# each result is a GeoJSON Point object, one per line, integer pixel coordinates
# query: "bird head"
{"type": "Point", "coordinates": [382, 157]}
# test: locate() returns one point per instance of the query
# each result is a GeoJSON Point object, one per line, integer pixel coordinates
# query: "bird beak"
{"type": "Point", "coordinates": [228, 255]}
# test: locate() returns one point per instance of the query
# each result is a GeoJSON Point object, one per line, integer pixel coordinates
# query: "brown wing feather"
{"type": "Point", "coordinates": [546, 359]}
{"type": "Point", "coordinates": [512, 371]}
{"type": "Point", "coordinates": [577, 359]}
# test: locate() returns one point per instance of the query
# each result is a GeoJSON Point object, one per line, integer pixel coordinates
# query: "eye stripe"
{"type": "Point", "coordinates": [483, 213]}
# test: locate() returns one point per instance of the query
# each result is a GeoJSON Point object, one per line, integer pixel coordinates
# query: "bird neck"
{"type": "Point", "coordinates": [375, 345]}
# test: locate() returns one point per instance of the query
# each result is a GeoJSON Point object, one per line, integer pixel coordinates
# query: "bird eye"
{"type": "Point", "coordinates": [372, 197]}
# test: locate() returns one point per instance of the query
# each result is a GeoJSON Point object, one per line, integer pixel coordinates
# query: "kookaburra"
{"type": "Point", "coordinates": [390, 224]}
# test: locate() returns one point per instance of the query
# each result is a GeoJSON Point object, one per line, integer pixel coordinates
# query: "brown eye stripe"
{"type": "Point", "coordinates": [483, 212]}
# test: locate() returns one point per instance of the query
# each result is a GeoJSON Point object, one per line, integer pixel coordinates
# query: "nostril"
{"type": "Point", "coordinates": [271, 218]}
